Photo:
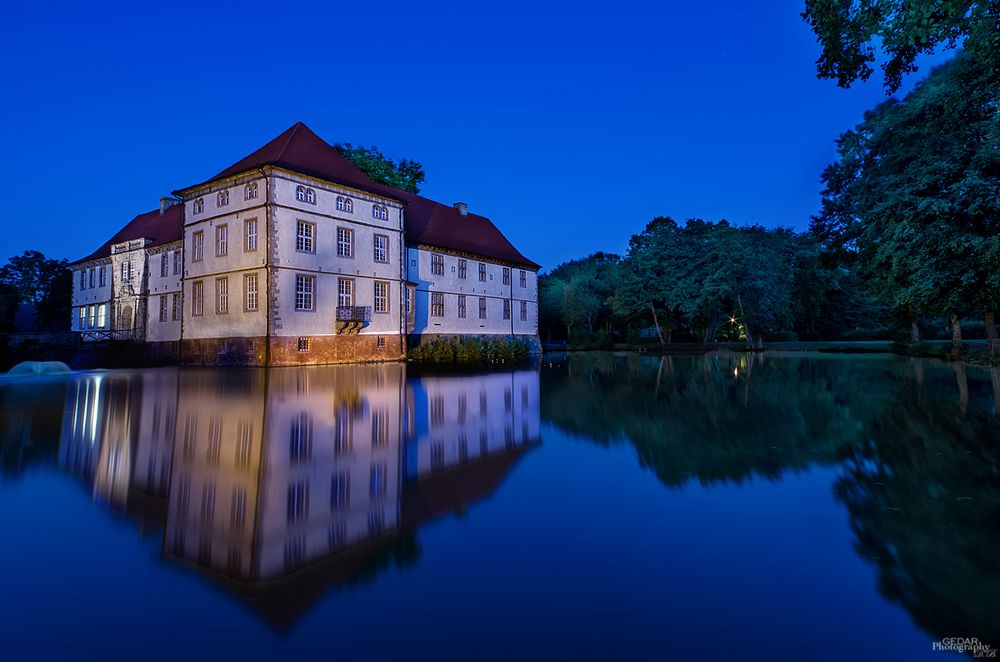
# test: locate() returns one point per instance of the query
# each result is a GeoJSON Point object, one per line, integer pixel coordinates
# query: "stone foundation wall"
{"type": "Point", "coordinates": [343, 348]}
{"type": "Point", "coordinates": [166, 352]}
{"type": "Point", "coordinates": [224, 351]}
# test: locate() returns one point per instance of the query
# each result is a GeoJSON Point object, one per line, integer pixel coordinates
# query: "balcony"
{"type": "Point", "coordinates": [351, 319]}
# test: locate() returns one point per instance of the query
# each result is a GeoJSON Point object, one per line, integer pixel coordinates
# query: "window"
{"type": "Point", "coordinates": [437, 264]}
{"type": "Point", "coordinates": [102, 315]}
{"type": "Point", "coordinates": [345, 292]}
{"type": "Point", "coordinates": [482, 272]}
{"type": "Point", "coordinates": [506, 309]}
{"type": "Point", "coordinates": [164, 265]}
{"type": "Point", "coordinates": [222, 240]}
{"type": "Point", "coordinates": [305, 286]}
{"type": "Point", "coordinates": [506, 275]}
{"type": "Point", "coordinates": [197, 298]}
{"type": "Point", "coordinates": [90, 277]}
{"type": "Point", "coordinates": [381, 296]}
{"type": "Point", "coordinates": [305, 344]}
{"type": "Point", "coordinates": [343, 433]}
{"type": "Point", "coordinates": [304, 233]}
{"type": "Point", "coordinates": [380, 342]}
{"type": "Point", "coordinates": [380, 212]}
{"type": "Point", "coordinates": [345, 204]}
{"type": "Point", "coordinates": [199, 205]}
{"type": "Point", "coordinates": [126, 271]}
{"type": "Point", "coordinates": [250, 191]}
{"type": "Point", "coordinates": [300, 193]}
{"type": "Point", "coordinates": [244, 441]}
{"type": "Point", "coordinates": [83, 317]}
{"type": "Point", "coordinates": [163, 307]}
{"type": "Point", "coordinates": [482, 308]}
{"type": "Point", "coordinates": [462, 268]}
{"type": "Point", "coordinates": [524, 311]}
{"type": "Point", "coordinates": [197, 246]}
{"type": "Point", "coordinates": [250, 234]}
{"type": "Point", "coordinates": [461, 306]}
{"type": "Point", "coordinates": [250, 291]}
{"type": "Point", "coordinates": [381, 248]}
{"type": "Point", "coordinates": [340, 490]}
{"type": "Point", "coordinates": [222, 199]}
{"type": "Point", "coordinates": [102, 276]}
{"type": "Point", "coordinates": [222, 295]}
{"type": "Point", "coordinates": [300, 440]}
{"type": "Point", "coordinates": [437, 304]}
{"type": "Point", "coordinates": [377, 480]}
{"type": "Point", "coordinates": [298, 501]}
{"type": "Point", "coordinates": [524, 278]}
{"type": "Point", "coordinates": [437, 410]}
{"type": "Point", "coordinates": [345, 242]}
{"type": "Point", "coordinates": [340, 203]}
{"type": "Point", "coordinates": [380, 428]}
{"type": "Point", "coordinates": [310, 196]}
{"type": "Point", "coordinates": [92, 314]}
{"type": "Point", "coordinates": [177, 262]}
{"type": "Point", "coordinates": [175, 305]}
{"type": "Point", "coordinates": [83, 279]}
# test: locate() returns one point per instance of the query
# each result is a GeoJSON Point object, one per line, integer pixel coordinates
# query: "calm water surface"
{"type": "Point", "coordinates": [609, 507]}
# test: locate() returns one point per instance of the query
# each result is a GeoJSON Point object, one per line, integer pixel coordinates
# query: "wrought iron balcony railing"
{"type": "Point", "coordinates": [354, 314]}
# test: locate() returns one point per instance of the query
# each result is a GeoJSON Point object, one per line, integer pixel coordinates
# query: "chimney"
{"type": "Point", "coordinates": [462, 208]}
{"type": "Point", "coordinates": [167, 203]}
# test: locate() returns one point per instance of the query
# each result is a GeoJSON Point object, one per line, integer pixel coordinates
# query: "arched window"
{"type": "Point", "coordinates": [250, 192]}
{"type": "Point", "coordinates": [348, 205]}
{"type": "Point", "coordinates": [375, 211]}
{"type": "Point", "coordinates": [199, 205]}
{"type": "Point", "coordinates": [310, 196]}
{"type": "Point", "coordinates": [300, 193]}
{"type": "Point", "coordinates": [385, 214]}
{"type": "Point", "coordinates": [340, 203]}
{"type": "Point", "coordinates": [222, 199]}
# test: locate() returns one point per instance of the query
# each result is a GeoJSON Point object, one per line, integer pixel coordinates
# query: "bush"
{"type": "Point", "coordinates": [471, 350]}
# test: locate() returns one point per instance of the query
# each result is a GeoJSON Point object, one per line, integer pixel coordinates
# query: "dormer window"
{"type": "Point", "coordinates": [380, 212]}
{"type": "Point", "coordinates": [199, 205]}
{"type": "Point", "coordinates": [250, 192]}
{"type": "Point", "coordinates": [307, 195]}
{"type": "Point", "coordinates": [222, 199]}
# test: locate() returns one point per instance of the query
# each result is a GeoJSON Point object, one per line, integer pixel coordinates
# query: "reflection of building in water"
{"type": "Point", "coordinates": [260, 472]}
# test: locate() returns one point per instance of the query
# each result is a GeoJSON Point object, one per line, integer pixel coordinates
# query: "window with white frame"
{"type": "Point", "coordinates": [340, 203]}
{"type": "Point", "coordinates": [197, 298]}
{"type": "Point", "coordinates": [126, 271]}
{"type": "Point", "coordinates": [437, 264]}
{"type": "Point", "coordinates": [175, 313]}
{"type": "Point", "coordinates": [83, 317]}
{"type": "Point", "coordinates": [463, 268]}
{"type": "Point", "coordinates": [437, 304]}
{"type": "Point", "coordinates": [345, 292]}
{"type": "Point", "coordinates": [83, 279]}
{"type": "Point", "coordinates": [304, 234]}
{"type": "Point", "coordinates": [102, 315]}
{"type": "Point", "coordinates": [163, 307]}
{"type": "Point", "coordinates": [250, 191]}
{"type": "Point", "coordinates": [250, 291]}
{"type": "Point", "coordinates": [197, 246]}
{"type": "Point", "coordinates": [92, 315]}
{"type": "Point", "coordinates": [90, 277]}
{"type": "Point", "coordinates": [222, 199]}
{"type": "Point", "coordinates": [345, 242]}
{"type": "Point", "coordinates": [461, 306]}
{"type": "Point", "coordinates": [102, 276]}
{"type": "Point", "coordinates": [524, 311]}
{"type": "Point", "coordinates": [177, 262]}
{"type": "Point", "coordinates": [300, 193]}
{"type": "Point", "coordinates": [349, 205]}
{"type": "Point", "coordinates": [380, 212]}
{"type": "Point", "coordinates": [506, 309]}
{"type": "Point", "coordinates": [524, 278]}
{"type": "Point", "coordinates": [381, 253]}
{"type": "Point", "coordinates": [222, 295]}
{"type": "Point", "coordinates": [310, 196]}
{"type": "Point", "coordinates": [381, 296]}
{"type": "Point", "coordinates": [222, 240]}
{"type": "Point", "coordinates": [305, 288]}
{"type": "Point", "coordinates": [482, 308]}
{"type": "Point", "coordinates": [482, 272]}
{"type": "Point", "coordinates": [506, 275]}
{"type": "Point", "coordinates": [199, 205]}
{"type": "Point", "coordinates": [250, 234]}
{"type": "Point", "coordinates": [164, 265]}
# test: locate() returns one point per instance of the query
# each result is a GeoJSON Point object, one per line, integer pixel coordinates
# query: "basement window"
{"type": "Point", "coordinates": [380, 342]}
{"type": "Point", "coordinates": [305, 344]}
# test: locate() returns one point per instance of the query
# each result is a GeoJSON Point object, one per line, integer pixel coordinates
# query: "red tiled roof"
{"type": "Point", "coordinates": [160, 228]}
{"type": "Point", "coordinates": [300, 150]}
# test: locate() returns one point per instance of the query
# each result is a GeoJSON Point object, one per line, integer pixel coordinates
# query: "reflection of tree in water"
{"type": "Point", "coordinates": [31, 414]}
{"type": "Point", "coordinates": [918, 443]}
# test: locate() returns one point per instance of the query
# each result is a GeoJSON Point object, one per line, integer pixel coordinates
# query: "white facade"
{"type": "Point", "coordinates": [92, 294]}
{"type": "Point", "coordinates": [499, 298]}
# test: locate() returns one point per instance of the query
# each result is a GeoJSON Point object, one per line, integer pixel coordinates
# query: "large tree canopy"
{"type": "Point", "coordinates": [406, 175]}
{"type": "Point", "coordinates": [42, 282]}
{"type": "Point", "coordinates": [850, 31]}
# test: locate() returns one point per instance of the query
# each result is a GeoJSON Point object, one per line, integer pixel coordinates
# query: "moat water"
{"type": "Point", "coordinates": [784, 506]}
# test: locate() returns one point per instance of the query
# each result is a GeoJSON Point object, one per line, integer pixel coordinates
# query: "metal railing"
{"type": "Point", "coordinates": [110, 335]}
{"type": "Point", "coordinates": [354, 314]}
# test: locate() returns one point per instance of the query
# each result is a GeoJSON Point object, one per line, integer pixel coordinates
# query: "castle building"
{"type": "Point", "coordinates": [292, 255]}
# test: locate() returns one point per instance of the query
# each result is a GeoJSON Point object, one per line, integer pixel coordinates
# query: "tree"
{"type": "Point", "coordinates": [914, 198]}
{"type": "Point", "coordinates": [848, 31]}
{"type": "Point", "coordinates": [407, 175]}
{"type": "Point", "coordinates": [42, 282]}
{"type": "Point", "coordinates": [578, 294]}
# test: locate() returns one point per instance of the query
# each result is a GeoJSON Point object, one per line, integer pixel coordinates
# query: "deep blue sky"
{"type": "Point", "coordinates": [569, 127]}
